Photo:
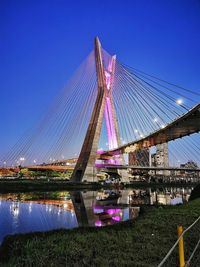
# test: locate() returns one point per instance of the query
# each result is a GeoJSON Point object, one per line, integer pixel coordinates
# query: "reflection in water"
{"type": "Point", "coordinates": [24, 217]}
{"type": "Point", "coordinates": [108, 216]}
{"type": "Point", "coordinates": [80, 209]}
{"type": "Point", "coordinates": [14, 208]}
{"type": "Point", "coordinates": [164, 196]}
{"type": "Point", "coordinates": [22, 213]}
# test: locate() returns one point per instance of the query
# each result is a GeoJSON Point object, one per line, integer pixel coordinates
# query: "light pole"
{"type": "Point", "coordinates": [22, 159]}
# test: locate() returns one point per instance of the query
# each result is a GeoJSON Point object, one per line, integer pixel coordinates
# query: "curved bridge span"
{"type": "Point", "coordinates": [187, 124]}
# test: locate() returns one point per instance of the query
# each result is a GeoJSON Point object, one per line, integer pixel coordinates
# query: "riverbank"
{"type": "Point", "coordinates": [27, 185]}
{"type": "Point", "coordinates": [143, 242]}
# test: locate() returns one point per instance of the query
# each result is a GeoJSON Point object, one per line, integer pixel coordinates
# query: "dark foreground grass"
{"type": "Point", "coordinates": [141, 243]}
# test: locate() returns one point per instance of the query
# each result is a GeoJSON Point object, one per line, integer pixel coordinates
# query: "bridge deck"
{"type": "Point", "coordinates": [187, 124]}
{"type": "Point", "coordinates": [151, 168]}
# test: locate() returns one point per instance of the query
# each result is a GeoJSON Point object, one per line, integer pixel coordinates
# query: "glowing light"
{"type": "Point", "coordinates": [179, 101]}
{"type": "Point", "coordinates": [113, 211]}
{"type": "Point", "coordinates": [16, 212]}
{"type": "Point", "coordinates": [65, 205]}
{"type": "Point", "coordinates": [15, 209]}
{"type": "Point", "coordinates": [98, 223]}
{"type": "Point", "coordinates": [111, 161]}
{"type": "Point", "coordinates": [155, 120]}
{"type": "Point", "coordinates": [97, 210]}
{"type": "Point", "coordinates": [59, 211]}
{"type": "Point", "coordinates": [141, 135]}
{"type": "Point", "coordinates": [162, 126]}
{"type": "Point", "coordinates": [136, 131]}
{"type": "Point", "coordinates": [99, 165]}
{"type": "Point", "coordinates": [30, 207]}
{"type": "Point", "coordinates": [100, 151]}
{"type": "Point", "coordinates": [116, 218]}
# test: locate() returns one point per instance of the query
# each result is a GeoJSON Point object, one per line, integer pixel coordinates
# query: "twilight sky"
{"type": "Point", "coordinates": [43, 42]}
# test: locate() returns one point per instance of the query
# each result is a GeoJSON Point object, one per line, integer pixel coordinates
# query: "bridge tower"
{"type": "Point", "coordinates": [85, 166]}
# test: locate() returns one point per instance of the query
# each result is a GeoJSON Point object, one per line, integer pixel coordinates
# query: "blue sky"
{"type": "Point", "coordinates": [43, 42]}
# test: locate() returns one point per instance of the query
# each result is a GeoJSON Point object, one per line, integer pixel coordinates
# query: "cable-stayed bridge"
{"type": "Point", "coordinates": [109, 109]}
{"type": "Point", "coordinates": [184, 125]}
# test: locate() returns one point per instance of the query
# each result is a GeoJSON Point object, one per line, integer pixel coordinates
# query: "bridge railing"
{"type": "Point", "coordinates": [179, 242]}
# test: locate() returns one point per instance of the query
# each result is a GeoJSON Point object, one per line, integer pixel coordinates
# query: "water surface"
{"type": "Point", "coordinates": [43, 211]}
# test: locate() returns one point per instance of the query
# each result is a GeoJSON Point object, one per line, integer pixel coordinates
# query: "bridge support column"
{"type": "Point", "coordinates": [85, 165]}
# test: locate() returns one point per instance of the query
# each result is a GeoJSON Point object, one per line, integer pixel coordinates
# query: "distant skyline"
{"type": "Point", "coordinates": [43, 42]}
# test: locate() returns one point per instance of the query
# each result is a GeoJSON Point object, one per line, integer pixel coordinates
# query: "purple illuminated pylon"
{"type": "Point", "coordinates": [110, 124]}
{"type": "Point", "coordinates": [112, 137]}
{"type": "Point", "coordinates": [109, 109]}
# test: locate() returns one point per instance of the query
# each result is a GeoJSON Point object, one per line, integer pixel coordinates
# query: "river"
{"type": "Point", "coordinates": [43, 211]}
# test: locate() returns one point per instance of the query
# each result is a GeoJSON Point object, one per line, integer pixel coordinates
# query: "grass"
{"type": "Point", "coordinates": [25, 185]}
{"type": "Point", "coordinates": [142, 243]}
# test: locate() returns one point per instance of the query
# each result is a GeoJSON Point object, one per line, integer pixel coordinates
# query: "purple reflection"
{"type": "Point", "coordinates": [98, 223]}
{"type": "Point", "coordinates": [112, 211]}
{"type": "Point", "coordinates": [97, 209]}
{"type": "Point", "coordinates": [116, 218]}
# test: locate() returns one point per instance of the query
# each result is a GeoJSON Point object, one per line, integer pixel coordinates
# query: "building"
{"type": "Point", "coordinates": [161, 158]}
{"type": "Point", "coordinates": [190, 165]}
{"type": "Point", "coordinates": [139, 158]}
{"type": "Point", "coordinates": [190, 173]}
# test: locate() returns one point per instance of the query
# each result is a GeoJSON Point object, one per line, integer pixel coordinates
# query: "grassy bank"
{"type": "Point", "coordinates": [27, 185]}
{"type": "Point", "coordinates": [141, 243]}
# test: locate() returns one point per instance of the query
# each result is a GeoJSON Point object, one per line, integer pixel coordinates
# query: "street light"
{"type": "Point", "coordinates": [179, 101]}
{"type": "Point", "coordinates": [22, 159]}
